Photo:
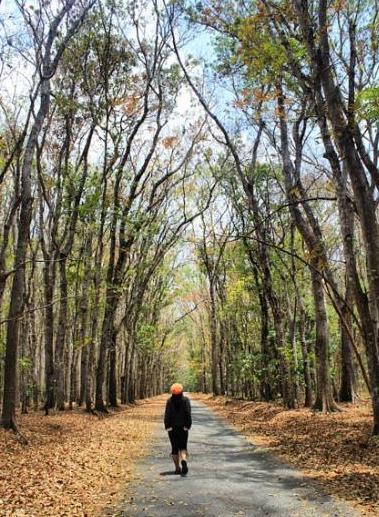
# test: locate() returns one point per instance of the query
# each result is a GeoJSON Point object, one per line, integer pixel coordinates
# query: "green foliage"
{"type": "Point", "coordinates": [368, 103]}
{"type": "Point", "coordinates": [74, 272]}
{"type": "Point", "coordinates": [82, 343]}
{"type": "Point", "coordinates": [146, 335]}
{"type": "Point", "coordinates": [25, 364]}
{"type": "Point", "coordinates": [263, 56]}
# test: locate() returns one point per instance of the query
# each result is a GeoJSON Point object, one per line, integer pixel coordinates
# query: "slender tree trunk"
{"type": "Point", "coordinates": [60, 343]}
{"type": "Point", "coordinates": [266, 387]}
{"type": "Point", "coordinates": [214, 345]}
{"type": "Point", "coordinates": [49, 287]}
{"type": "Point", "coordinates": [91, 358]}
{"type": "Point", "coordinates": [74, 380]}
{"type": "Point", "coordinates": [106, 347]}
{"type": "Point", "coordinates": [24, 374]}
{"type": "Point", "coordinates": [324, 396]}
{"type": "Point", "coordinates": [286, 381]}
{"type": "Point", "coordinates": [34, 347]}
{"type": "Point", "coordinates": [308, 392]}
{"type": "Point", "coordinates": [113, 372]}
{"type": "Point", "coordinates": [222, 358]}
{"type": "Point", "coordinates": [131, 378]}
{"type": "Point", "coordinates": [84, 341]}
{"type": "Point", "coordinates": [347, 387]}
{"type": "Point", "coordinates": [124, 378]}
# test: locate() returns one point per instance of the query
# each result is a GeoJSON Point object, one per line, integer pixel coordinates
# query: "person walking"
{"type": "Point", "coordinates": [178, 421]}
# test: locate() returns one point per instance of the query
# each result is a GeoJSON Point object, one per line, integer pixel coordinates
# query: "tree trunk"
{"type": "Point", "coordinates": [113, 372]}
{"type": "Point", "coordinates": [286, 381]}
{"type": "Point", "coordinates": [60, 343]}
{"type": "Point", "coordinates": [324, 396]}
{"type": "Point", "coordinates": [308, 393]}
{"type": "Point", "coordinates": [213, 335]}
{"type": "Point", "coordinates": [131, 378]}
{"type": "Point", "coordinates": [74, 380]}
{"type": "Point", "coordinates": [266, 387]}
{"type": "Point", "coordinates": [347, 387]}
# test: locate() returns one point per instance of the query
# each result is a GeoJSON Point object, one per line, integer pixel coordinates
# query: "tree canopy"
{"type": "Point", "coordinates": [189, 191]}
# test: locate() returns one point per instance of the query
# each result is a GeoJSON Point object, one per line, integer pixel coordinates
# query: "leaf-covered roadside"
{"type": "Point", "coordinates": [335, 450]}
{"type": "Point", "coordinates": [75, 464]}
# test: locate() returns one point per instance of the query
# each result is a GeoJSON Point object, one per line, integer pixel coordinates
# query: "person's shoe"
{"type": "Point", "coordinates": [184, 467]}
{"type": "Point", "coordinates": [178, 471]}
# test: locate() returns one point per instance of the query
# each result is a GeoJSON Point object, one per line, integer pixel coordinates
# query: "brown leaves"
{"type": "Point", "coordinates": [253, 97]}
{"type": "Point", "coordinates": [75, 464]}
{"type": "Point", "coordinates": [169, 142]}
{"type": "Point", "coordinates": [130, 104]}
{"type": "Point", "coordinates": [335, 450]}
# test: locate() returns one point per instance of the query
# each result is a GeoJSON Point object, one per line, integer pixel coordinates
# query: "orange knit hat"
{"type": "Point", "coordinates": [176, 389]}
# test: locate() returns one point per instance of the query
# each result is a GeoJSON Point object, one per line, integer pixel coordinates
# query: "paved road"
{"type": "Point", "coordinates": [227, 477]}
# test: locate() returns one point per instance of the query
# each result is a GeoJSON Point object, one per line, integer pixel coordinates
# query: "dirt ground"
{"type": "Point", "coordinates": [74, 464]}
{"type": "Point", "coordinates": [335, 450]}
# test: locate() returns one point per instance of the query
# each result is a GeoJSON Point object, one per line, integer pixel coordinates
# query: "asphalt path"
{"type": "Point", "coordinates": [227, 477]}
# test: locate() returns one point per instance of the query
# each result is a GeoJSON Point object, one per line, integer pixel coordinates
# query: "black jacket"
{"type": "Point", "coordinates": [178, 413]}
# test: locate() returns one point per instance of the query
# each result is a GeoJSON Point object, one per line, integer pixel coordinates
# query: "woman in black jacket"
{"type": "Point", "coordinates": [178, 421]}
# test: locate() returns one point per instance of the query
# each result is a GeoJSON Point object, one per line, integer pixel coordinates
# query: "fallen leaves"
{"type": "Point", "coordinates": [75, 463]}
{"type": "Point", "coordinates": [335, 450]}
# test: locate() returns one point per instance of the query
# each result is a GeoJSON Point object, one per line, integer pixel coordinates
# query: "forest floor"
{"type": "Point", "coordinates": [74, 463]}
{"type": "Point", "coordinates": [336, 451]}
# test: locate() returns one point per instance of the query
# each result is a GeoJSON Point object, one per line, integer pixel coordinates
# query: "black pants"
{"type": "Point", "coordinates": [178, 438]}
